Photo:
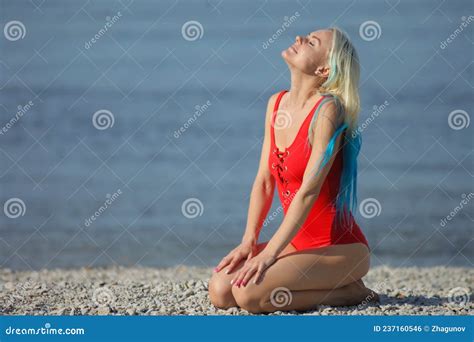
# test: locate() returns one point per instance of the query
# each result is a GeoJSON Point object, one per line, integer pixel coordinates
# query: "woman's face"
{"type": "Point", "coordinates": [310, 53]}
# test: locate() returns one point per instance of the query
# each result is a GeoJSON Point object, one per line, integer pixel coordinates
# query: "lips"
{"type": "Point", "coordinates": [294, 49]}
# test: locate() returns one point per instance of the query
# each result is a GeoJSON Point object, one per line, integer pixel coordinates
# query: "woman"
{"type": "Point", "coordinates": [319, 254]}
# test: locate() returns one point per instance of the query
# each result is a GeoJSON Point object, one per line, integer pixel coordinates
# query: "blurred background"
{"type": "Point", "coordinates": [131, 131]}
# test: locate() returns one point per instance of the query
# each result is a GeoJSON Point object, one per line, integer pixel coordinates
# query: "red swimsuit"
{"type": "Point", "coordinates": [288, 168]}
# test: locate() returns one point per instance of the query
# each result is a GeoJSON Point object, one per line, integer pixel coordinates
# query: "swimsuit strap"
{"type": "Point", "coordinates": [275, 110]}
{"type": "Point", "coordinates": [326, 98]}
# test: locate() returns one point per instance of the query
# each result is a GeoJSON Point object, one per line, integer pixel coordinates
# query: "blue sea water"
{"type": "Point", "coordinates": [184, 125]}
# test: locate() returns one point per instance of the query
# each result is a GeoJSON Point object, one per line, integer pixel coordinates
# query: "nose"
{"type": "Point", "coordinates": [299, 39]}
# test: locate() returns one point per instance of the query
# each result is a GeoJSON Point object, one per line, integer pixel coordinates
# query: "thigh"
{"type": "Point", "coordinates": [226, 278]}
{"type": "Point", "coordinates": [321, 268]}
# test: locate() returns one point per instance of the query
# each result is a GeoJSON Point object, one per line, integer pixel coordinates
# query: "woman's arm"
{"type": "Point", "coordinates": [263, 186]}
{"type": "Point", "coordinates": [325, 126]}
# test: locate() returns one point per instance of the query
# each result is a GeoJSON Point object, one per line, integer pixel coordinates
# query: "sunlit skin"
{"type": "Point", "coordinates": [332, 273]}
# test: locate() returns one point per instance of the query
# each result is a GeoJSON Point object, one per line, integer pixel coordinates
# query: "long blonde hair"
{"type": "Point", "coordinates": [341, 87]}
{"type": "Point", "coordinates": [343, 81]}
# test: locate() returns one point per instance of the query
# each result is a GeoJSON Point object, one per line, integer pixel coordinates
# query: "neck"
{"type": "Point", "coordinates": [303, 87]}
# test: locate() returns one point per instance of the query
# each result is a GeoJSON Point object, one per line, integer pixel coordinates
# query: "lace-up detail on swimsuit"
{"type": "Point", "coordinates": [281, 168]}
{"type": "Point", "coordinates": [289, 172]}
{"type": "Point", "coordinates": [288, 167]}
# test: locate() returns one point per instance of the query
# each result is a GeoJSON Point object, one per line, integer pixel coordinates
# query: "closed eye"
{"type": "Point", "coordinates": [311, 42]}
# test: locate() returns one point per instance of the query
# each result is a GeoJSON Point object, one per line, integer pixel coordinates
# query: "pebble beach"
{"type": "Point", "coordinates": [183, 290]}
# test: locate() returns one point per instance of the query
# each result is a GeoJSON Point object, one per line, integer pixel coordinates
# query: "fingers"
{"type": "Point", "coordinates": [248, 275]}
{"type": "Point", "coordinates": [224, 262]}
{"type": "Point", "coordinates": [258, 274]}
{"type": "Point", "coordinates": [243, 275]}
{"type": "Point", "coordinates": [238, 276]}
{"type": "Point", "coordinates": [232, 265]}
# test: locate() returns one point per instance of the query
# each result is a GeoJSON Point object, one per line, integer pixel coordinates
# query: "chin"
{"type": "Point", "coordinates": [286, 55]}
{"type": "Point", "coordinates": [289, 59]}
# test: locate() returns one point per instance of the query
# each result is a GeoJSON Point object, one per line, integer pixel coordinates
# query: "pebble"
{"type": "Point", "coordinates": [183, 290]}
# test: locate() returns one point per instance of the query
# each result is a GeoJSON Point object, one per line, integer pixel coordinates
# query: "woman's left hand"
{"type": "Point", "coordinates": [258, 263]}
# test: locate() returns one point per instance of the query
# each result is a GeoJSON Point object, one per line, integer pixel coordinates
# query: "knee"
{"type": "Point", "coordinates": [220, 293]}
{"type": "Point", "coordinates": [248, 299]}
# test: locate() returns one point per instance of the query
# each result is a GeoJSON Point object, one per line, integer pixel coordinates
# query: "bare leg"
{"type": "Point", "coordinates": [301, 280]}
{"type": "Point", "coordinates": [220, 289]}
{"type": "Point", "coordinates": [351, 294]}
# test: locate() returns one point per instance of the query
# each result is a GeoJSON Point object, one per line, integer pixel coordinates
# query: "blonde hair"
{"type": "Point", "coordinates": [343, 80]}
{"type": "Point", "coordinates": [341, 87]}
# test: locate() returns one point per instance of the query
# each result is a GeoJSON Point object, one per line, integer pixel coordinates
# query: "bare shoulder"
{"type": "Point", "coordinates": [270, 105]}
{"type": "Point", "coordinates": [332, 111]}
{"type": "Point", "coordinates": [272, 100]}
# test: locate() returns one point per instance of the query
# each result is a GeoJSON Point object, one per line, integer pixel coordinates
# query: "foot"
{"type": "Point", "coordinates": [361, 294]}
